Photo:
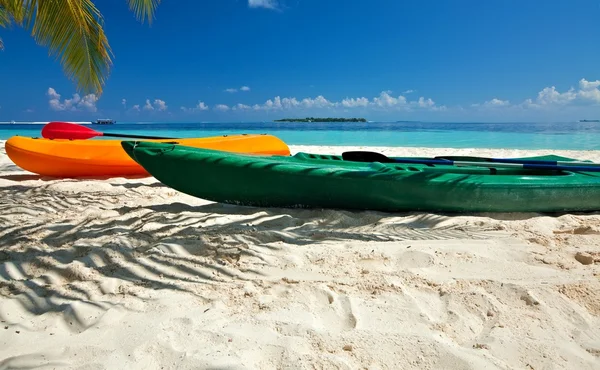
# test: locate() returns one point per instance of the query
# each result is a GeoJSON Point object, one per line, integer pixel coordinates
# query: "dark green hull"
{"type": "Point", "coordinates": [324, 181]}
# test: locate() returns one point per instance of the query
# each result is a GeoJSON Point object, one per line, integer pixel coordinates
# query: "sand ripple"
{"type": "Point", "coordinates": [126, 273]}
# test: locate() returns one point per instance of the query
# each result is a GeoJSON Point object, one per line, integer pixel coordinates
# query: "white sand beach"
{"type": "Point", "coordinates": [130, 274]}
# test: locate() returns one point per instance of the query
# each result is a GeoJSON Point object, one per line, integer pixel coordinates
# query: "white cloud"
{"type": "Point", "coordinates": [589, 90]}
{"type": "Point", "coordinates": [497, 102]}
{"type": "Point", "coordinates": [221, 107]}
{"type": "Point", "coordinates": [352, 102]}
{"type": "Point", "coordinates": [77, 103]}
{"type": "Point", "coordinates": [385, 100]}
{"type": "Point", "coordinates": [278, 103]}
{"type": "Point", "coordinates": [234, 90]}
{"type": "Point", "coordinates": [494, 103]}
{"type": "Point", "coordinates": [550, 96]}
{"type": "Point", "coordinates": [201, 106]}
{"type": "Point", "coordinates": [148, 105]}
{"type": "Point", "coordinates": [88, 102]}
{"type": "Point", "coordinates": [273, 104]}
{"type": "Point", "coordinates": [588, 85]}
{"type": "Point", "coordinates": [587, 93]}
{"type": "Point", "coordinates": [241, 107]}
{"type": "Point", "coordinates": [425, 103]}
{"type": "Point", "coordinates": [289, 103]}
{"type": "Point", "coordinates": [318, 102]}
{"type": "Point", "coordinates": [268, 4]}
{"type": "Point", "coordinates": [158, 105]}
{"type": "Point", "coordinates": [52, 94]}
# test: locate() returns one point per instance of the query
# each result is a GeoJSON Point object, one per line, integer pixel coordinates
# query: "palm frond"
{"type": "Point", "coordinates": [72, 31]}
{"type": "Point", "coordinates": [11, 10]}
{"type": "Point", "coordinates": [5, 18]}
{"type": "Point", "coordinates": [143, 9]}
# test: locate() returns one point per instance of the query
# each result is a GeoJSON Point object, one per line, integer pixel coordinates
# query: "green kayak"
{"type": "Point", "coordinates": [327, 181]}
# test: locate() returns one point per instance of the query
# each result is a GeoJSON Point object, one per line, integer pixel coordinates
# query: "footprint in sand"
{"type": "Point", "coordinates": [314, 308]}
{"type": "Point", "coordinates": [80, 316]}
{"type": "Point", "coordinates": [35, 360]}
{"type": "Point", "coordinates": [415, 259]}
{"type": "Point", "coordinates": [334, 311]}
{"type": "Point", "coordinates": [404, 261]}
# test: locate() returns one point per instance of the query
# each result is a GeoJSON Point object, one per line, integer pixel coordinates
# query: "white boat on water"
{"type": "Point", "coordinates": [103, 121]}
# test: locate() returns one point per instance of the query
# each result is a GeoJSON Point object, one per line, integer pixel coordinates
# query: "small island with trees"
{"type": "Point", "coordinates": [315, 119]}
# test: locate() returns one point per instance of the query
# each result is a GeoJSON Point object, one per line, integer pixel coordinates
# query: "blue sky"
{"type": "Point", "coordinates": [246, 60]}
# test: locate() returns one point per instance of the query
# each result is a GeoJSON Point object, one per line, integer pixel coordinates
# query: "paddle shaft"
{"type": "Point", "coordinates": [135, 136]}
{"type": "Point", "coordinates": [526, 166]}
{"type": "Point", "coordinates": [522, 161]}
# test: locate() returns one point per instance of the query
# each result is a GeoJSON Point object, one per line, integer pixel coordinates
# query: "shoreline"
{"type": "Point", "coordinates": [593, 155]}
{"type": "Point", "coordinates": [156, 278]}
{"type": "Point", "coordinates": [334, 148]}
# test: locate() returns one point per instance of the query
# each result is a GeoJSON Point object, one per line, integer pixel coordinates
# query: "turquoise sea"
{"type": "Point", "coordinates": [517, 135]}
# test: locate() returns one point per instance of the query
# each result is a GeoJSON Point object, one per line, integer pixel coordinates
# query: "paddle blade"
{"type": "Point", "coordinates": [364, 156]}
{"type": "Point", "coordinates": [66, 130]}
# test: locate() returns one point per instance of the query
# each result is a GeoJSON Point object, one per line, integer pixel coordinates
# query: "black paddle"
{"type": "Point", "coordinates": [366, 156]}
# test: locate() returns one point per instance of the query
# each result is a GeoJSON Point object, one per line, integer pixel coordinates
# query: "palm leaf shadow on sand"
{"type": "Point", "coordinates": [21, 177]}
{"type": "Point", "coordinates": [57, 249]}
{"type": "Point", "coordinates": [8, 166]}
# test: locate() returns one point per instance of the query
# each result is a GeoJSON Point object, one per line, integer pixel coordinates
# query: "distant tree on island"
{"type": "Point", "coordinates": [316, 119]}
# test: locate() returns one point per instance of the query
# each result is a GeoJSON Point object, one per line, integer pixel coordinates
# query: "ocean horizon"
{"type": "Point", "coordinates": [573, 135]}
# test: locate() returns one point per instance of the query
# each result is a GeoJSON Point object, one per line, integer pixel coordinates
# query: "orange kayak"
{"type": "Point", "coordinates": [81, 158]}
